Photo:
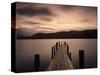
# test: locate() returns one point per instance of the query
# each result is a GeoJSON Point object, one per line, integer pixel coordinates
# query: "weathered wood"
{"type": "Point", "coordinates": [61, 61]}
{"type": "Point", "coordinates": [70, 56]}
{"type": "Point", "coordinates": [67, 49]}
{"type": "Point", "coordinates": [52, 54]}
{"type": "Point", "coordinates": [81, 58]}
{"type": "Point", "coordinates": [37, 62]}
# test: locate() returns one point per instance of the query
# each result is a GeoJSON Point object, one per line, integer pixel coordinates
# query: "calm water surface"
{"type": "Point", "coordinates": [25, 50]}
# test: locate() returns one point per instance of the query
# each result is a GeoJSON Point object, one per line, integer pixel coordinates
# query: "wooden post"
{"type": "Point", "coordinates": [65, 44]}
{"type": "Point", "coordinates": [59, 44]}
{"type": "Point", "coordinates": [70, 56]}
{"type": "Point", "coordinates": [54, 50]}
{"type": "Point", "coordinates": [56, 46]}
{"type": "Point", "coordinates": [67, 49]}
{"type": "Point", "coordinates": [52, 53]}
{"type": "Point", "coordinates": [81, 58]}
{"type": "Point", "coordinates": [37, 62]}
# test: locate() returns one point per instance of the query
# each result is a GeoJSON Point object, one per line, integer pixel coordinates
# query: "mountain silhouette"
{"type": "Point", "coordinates": [64, 35]}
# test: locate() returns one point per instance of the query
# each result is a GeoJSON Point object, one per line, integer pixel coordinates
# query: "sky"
{"type": "Point", "coordinates": [34, 18]}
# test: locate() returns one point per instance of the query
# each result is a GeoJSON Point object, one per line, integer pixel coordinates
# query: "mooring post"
{"type": "Point", "coordinates": [52, 55]}
{"type": "Point", "coordinates": [65, 44]}
{"type": "Point", "coordinates": [54, 50]}
{"type": "Point", "coordinates": [37, 62]}
{"type": "Point", "coordinates": [59, 44]}
{"type": "Point", "coordinates": [56, 46]}
{"type": "Point", "coordinates": [67, 49]}
{"type": "Point", "coordinates": [70, 56]}
{"type": "Point", "coordinates": [81, 58]}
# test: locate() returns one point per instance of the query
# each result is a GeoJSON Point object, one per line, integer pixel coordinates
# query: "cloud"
{"type": "Point", "coordinates": [31, 23]}
{"type": "Point", "coordinates": [33, 11]}
{"type": "Point", "coordinates": [49, 18]}
{"type": "Point", "coordinates": [67, 7]}
{"type": "Point", "coordinates": [46, 18]}
{"type": "Point", "coordinates": [85, 20]}
{"type": "Point", "coordinates": [47, 28]}
{"type": "Point", "coordinates": [75, 7]}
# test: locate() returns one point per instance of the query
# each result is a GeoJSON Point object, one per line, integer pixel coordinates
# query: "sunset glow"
{"type": "Point", "coordinates": [46, 18]}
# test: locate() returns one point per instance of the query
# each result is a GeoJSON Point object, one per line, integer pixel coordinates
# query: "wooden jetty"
{"type": "Point", "coordinates": [61, 57]}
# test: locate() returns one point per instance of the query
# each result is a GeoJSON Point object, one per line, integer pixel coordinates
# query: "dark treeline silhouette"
{"type": "Point", "coordinates": [88, 34]}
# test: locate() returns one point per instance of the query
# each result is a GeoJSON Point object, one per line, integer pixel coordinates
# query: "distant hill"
{"type": "Point", "coordinates": [64, 35]}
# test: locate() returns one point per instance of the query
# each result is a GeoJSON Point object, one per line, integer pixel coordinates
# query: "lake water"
{"type": "Point", "coordinates": [27, 48]}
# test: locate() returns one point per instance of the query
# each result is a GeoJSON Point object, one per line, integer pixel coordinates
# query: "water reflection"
{"type": "Point", "coordinates": [26, 49]}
